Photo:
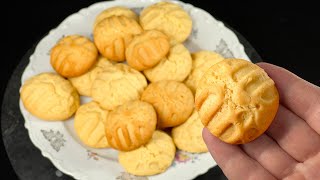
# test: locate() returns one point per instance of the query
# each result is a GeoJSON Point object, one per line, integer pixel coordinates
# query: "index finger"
{"type": "Point", "coordinates": [298, 95]}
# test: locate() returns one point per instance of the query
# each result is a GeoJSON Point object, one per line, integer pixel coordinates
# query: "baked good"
{"type": "Point", "coordinates": [130, 125]}
{"type": "Point", "coordinates": [201, 62]}
{"type": "Point", "coordinates": [73, 55]}
{"type": "Point", "coordinates": [169, 18]}
{"type": "Point", "coordinates": [89, 125]}
{"type": "Point", "coordinates": [188, 136]}
{"type": "Point", "coordinates": [236, 100]}
{"type": "Point", "coordinates": [150, 159]}
{"type": "Point", "coordinates": [49, 96]}
{"type": "Point", "coordinates": [172, 100]}
{"type": "Point", "coordinates": [84, 82]}
{"type": "Point", "coordinates": [113, 34]}
{"type": "Point", "coordinates": [147, 49]}
{"type": "Point", "coordinates": [116, 85]}
{"type": "Point", "coordinates": [115, 11]}
{"type": "Point", "coordinates": [176, 66]}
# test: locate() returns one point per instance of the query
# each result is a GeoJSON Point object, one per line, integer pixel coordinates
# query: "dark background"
{"type": "Point", "coordinates": [283, 34]}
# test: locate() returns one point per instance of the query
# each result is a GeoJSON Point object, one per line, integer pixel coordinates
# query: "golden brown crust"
{"type": "Point", "coordinates": [236, 100]}
{"type": "Point", "coordinates": [73, 56]}
{"type": "Point", "coordinates": [172, 100]}
{"type": "Point", "coordinates": [49, 97]}
{"type": "Point", "coordinates": [112, 35]}
{"type": "Point", "coordinates": [147, 49]}
{"type": "Point", "coordinates": [130, 125]}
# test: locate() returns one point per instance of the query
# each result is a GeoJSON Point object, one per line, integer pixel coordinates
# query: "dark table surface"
{"type": "Point", "coordinates": [283, 34]}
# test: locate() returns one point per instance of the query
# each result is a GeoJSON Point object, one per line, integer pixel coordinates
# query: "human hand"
{"type": "Point", "coordinates": [290, 148]}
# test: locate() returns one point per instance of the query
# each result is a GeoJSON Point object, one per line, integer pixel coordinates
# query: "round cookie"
{"type": "Point", "coordinates": [84, 82]}
{"type": "Point", "coordinates": [188, 136]}
{"type": "Point", "coordinates": [169, 18]}
{"type": "Point", "coordinates": [236, 101]}
{"type": "Point", "coordinates": [49, 96]}
{"type": "Point", "coordinates": [113, 34]}
{"type": "Point", "coordinates": [73, 55]}
{"type": "Point", "coordinates": [89, 125]}
{"type": "Point", "coordinates": [115, 11]}
{"type": "Point", "coordinates": [201, 62]}
{"type": "Point", "coordinates": [172, 100]}
{"type": "Point", "coordinates": [116, 85]}
{"type": "Point", "coordinates": [147, 49]}
{"type": "Point", "coordinates": [150, 159]}
{"type": "Point", "coordinates": [130, 125]}
{"type": "Point", "coordinates": [176, 66]}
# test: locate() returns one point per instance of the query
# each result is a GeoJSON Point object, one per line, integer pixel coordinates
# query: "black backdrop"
{"type": "Point", "coordinates": [283, 34]}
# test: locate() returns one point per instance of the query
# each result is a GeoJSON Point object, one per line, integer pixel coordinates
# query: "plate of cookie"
{"type": "Point", "coordinates": [109, 93]}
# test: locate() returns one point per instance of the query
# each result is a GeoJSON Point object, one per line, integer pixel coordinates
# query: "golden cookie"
{"type": "Point", "coordinates": [89, 125]}
{"type": "Point", "coordinates": [169, 18]}
{"type": "Point", "coordinates": [113, 34]}
{"type": "Point", "coordinates": [201, 62]}
{"type": "Point", "coordinates": [150, 159]}
{"type": "Point", "coordinates": [130, 125]}
{"type": "Point", "coordinates": [147, 49]}
{"type": "Point", "coordinates": [49, 97]}
{"type": "Point", "coordinates": [236, 100]}
{"type": "Point", "coordinates": [172, 100]}
{"type": "Point", "coordinates": [188, 136]}
{"type": "Point", "coordinates": [73, 56]}
{"type": "Point", "coordinates": [176, 66]}
{"type": "Point", "coordinates": [115, 11]}
{"type": "Point", "coordinates": [116, 85]}
{"type": "Point", "coordinates": [84, 82]}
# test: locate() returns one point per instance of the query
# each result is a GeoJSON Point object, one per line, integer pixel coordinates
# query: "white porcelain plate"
{"type": "Point", "coordinates": [58, 141]}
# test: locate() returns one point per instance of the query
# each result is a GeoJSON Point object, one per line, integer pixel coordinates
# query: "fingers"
{"type": "Point", "coordinates": [273, 158]}
{"type": "Point", "coordinates": [298, 95]}
{"type": "Point", "coordinates": [294, 135]}
{"type": "Point", "coordinates": [235, 163]}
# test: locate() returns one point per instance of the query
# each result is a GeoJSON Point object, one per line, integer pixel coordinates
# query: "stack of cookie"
{"type": "Point", "coordinates": [142, 81]}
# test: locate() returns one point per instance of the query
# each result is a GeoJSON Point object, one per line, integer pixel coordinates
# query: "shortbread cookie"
{"type": "Point", "coordinates": [150, 159]}
{"type": "Point", "coordinates": [236, 100]}
{"type": "Point", "coordinates": [116, 85]}
{"type": "Point", "coordinates": [176, 66]}
{"type": "Point", "coordinates": [84, 82]}
{"type": "Point", "coordinates": [130, 125]}
{"type": "Point", "coordinates": [115, 11]}
{"type": "Point", "coordinates": [147, 49]}
{"type": "Point", "coordinates": [188, 136]}
{"type": "Point", "coordinates": [201, 62]}
{"type": "Point", "coordinates": [49, 96]}
{"type": "Point", "coordinates": [169, 18]}
{"type": "Point", "coordinates": [89, 125]}
{"type": "Point", "coordinates": [73, 56]}
{"type": "Point", "coordinates": [112, 35]}
{"type": "Point", "coordinates": [172, 100]}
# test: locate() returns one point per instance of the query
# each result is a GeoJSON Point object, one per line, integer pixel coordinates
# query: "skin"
{"type": "Point", "coordinates": [290, 148]}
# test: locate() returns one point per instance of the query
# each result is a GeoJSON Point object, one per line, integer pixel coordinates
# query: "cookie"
{"type": "Point", "coordinates": [112, 35]}
{"type": "Point", "coordinates": [116, 85]}
{"type": "Point", "coordinates": [89, 125]}
{"type": "Point", "coordinates": [236, 100]}
{"type": "Point", "coordinates": [49, 96]}
{"type": "Point", "coordinates": [150, 159]}
{"type": "Point", "coordinates": [188, 136]}
{"type": "Point", "coordinates": [169, 18]}
{"type": "Point", "coordinates": [201, 62]}
{"type": "Point", "coordinates": [147, 49]}
{"type": "Point", "coordinates": [130, 125]}
{"type": "Point", "coordinates": [115, 11]}
{"type": "Point", "coordinates": [176, 66]}
{"type": "Point", "coordinates": [172, 100]}
{"type": "Point", "coordinates": [73, 56]}
{"type": "Point", "coordinates": [84, 82]}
